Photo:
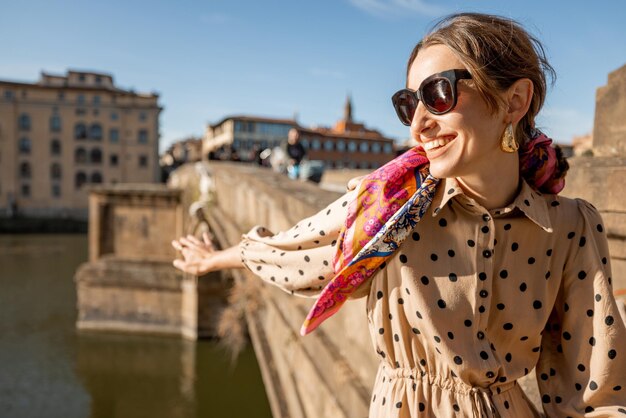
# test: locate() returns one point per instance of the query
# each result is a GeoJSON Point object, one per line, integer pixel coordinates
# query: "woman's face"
{"type": "Point", "coordinates": [464, 141]}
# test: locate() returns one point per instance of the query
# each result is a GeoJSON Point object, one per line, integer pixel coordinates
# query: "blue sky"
{"type": "Point", "coordinates": [212, 58]}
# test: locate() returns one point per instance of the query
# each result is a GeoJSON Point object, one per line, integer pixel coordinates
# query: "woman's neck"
{"type": "Point", "coordinates": [496, 187]}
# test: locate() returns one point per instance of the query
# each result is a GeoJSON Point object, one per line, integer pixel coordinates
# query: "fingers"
{"type": "Point", "coordinates": [177, 245]}
{"type": "Point", "coordinates": [194, 240]}
{"type": "Point", "coordinates": [354, 183]}
{"type": "Point", "coordinates": [188, 243]}
{"type": "Point", "coordinates": [185, 267]}
{"type": "Point", "coordinates": [207, 239]}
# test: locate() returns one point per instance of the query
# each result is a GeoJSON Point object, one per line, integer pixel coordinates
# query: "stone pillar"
{"type": "Point", "coordinates": [129, 283]}
{"type": "Point", "coordinates": [609, 130]}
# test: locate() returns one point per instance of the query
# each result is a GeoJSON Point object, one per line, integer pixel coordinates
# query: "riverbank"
{"type": "Point", "coordinates": [30, 225]}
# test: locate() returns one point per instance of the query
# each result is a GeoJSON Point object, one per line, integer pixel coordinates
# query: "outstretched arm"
{"type": "Point", "coordinates": [200, 257]}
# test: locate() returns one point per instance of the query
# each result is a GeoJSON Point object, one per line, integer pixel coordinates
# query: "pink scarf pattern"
{"type": "Point", "coordinates": [390, 202]}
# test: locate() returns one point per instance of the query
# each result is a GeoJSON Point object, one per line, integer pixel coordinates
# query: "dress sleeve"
{"type": "Point", "coordinates": [298, 260]}
{"type": "Point", "coordinates": [582, 367]}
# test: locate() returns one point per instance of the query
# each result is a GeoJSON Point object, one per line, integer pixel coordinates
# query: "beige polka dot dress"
{"type": "Point", "coordinates": [472, 301]}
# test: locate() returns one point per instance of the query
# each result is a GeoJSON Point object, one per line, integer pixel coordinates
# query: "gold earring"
{"type": "Point", "coordinates": [508, 142]}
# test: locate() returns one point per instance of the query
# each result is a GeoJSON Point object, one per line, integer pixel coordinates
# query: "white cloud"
{"type": "Point", "coordinates": [322, 72]}
{"type": "Point", "coordinates": [387, 8]}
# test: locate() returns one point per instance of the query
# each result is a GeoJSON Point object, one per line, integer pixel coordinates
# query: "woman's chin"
{"type": "Point", "coordinates": [441, 171]}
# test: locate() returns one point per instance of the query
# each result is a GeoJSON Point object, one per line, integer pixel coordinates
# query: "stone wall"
{"type": "Point", "coordinates": [328, 373]}
{"type": "Point", "coordinates": [601, 178]}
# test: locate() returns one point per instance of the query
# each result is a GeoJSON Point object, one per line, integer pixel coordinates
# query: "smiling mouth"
{"type": "Point", "coordinates": [437, 143]}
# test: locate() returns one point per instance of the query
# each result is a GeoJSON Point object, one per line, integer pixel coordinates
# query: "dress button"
{"type": "Point", "coordinates": [487, 253]}
{"type": "Point", "coordinates": [486, 218]}
{"type": "Point", "coordinates": [483, 293]}
{"type": "Point", "coordinates": [480, 335]}
{"type": "Point", "coordinates": [490, 375]}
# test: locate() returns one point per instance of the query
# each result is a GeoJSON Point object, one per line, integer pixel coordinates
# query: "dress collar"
{"type": "Point", "coordinates": [530, 202]}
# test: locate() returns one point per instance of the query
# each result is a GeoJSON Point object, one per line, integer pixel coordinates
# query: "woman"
{"type": "Point", "coordinates": [474, 269]}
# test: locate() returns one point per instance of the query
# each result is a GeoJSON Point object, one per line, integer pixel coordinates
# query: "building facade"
{"type": "Point", "coordinates": [65, 132]}
{"type": "Point", "coordinates": [240, 137]}
{"type": "Point", "coordinates": [345, 145]}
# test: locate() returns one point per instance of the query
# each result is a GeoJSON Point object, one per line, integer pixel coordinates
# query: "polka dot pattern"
{"type": "Point", "coordinates": [473, 292]}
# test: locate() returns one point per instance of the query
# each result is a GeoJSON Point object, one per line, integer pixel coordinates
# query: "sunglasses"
{"type": "Point", "coordinates": [437, 92]}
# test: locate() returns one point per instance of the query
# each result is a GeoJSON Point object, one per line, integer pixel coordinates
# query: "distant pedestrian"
{"type": "Point", "coordinates": [295, 153]}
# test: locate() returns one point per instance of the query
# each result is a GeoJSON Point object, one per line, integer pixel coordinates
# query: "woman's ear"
{"type": "Point", "coordinates": [519, 97]}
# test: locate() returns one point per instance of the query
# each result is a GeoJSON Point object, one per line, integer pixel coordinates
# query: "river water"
{"type": "Point", "coordinates": [48, 369]}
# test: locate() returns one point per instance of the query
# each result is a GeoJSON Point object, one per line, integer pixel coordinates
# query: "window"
{"type": "Point", "coordinates": [341, 145]}
{"type": "Point", "coordinates": [23, 122]}
{"type": "Point", "coordinates": [244, 126]}
{"type": "Point", "coordinates": [25, 190]}
{"type": "Point", "coordinates": [388, 149]}
{"type": "Point", "coordinates": [24, 146]}
{"type": "Point", "coordinates": [61, 96]}
{"type": "Point", "coordinates": [376, 148]}
{"type": "Point", "coordinates": [25, 170]}
{"type": "Point", "coordinates": [80, 131]}
{"type": "Point", "coordinates": [143, 136]}
{"type": "Point", "coordinates": [98, 79]}
{"type": "Point", "coordinates": [114, 135]}
{"type": "Point", "coordinates": [55, 171]}
{"type": "Point", "coordinates": [80, 156]}
{"type": "Point", "coordinates": [80, 179]}
{"type": "Point", "coordinates": [55, 123]}
{"type": "Point", "coordinates": [56, 190]}
{"type": "Point", "coordinates": [364, 147]}
{"type": "Point", "coordinates": [352, 147]}
{"type": "Point", "coordinates": [55, 147]}
{"type": "Point", "coordinates": [95, 100]}
{"type": "Point", "coordinates": [143, 161]}
{"type": "Point", "coordinates": [8, 95]}
{"type": "Point", "coordinates": [315, 144]}
{"type": "Point", "coordinates": [80, 99]}
{"type": "Point", "coordinates": [81, 77]}
{"type": "Point", "coordinates": [95, 156]}
{"type": "Point", "coordinates": [81, 112]}
{"type": "Point", "coordinates": [305, 143]}
{"type": "Point", "coordinates": [328, 145]}
{"type": "Point", "coordinates": [113, 160]}
{"type": "Point", "coordinates": [114, 116]}
{"type": "Point", "coordinates": [96, 178]}
{"type": "Point", "coordinates": [143, 116]}
{"type": "Point", "coordinates": [95, 132]}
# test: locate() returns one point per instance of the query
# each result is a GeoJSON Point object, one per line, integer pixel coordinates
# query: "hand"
{"type": "Point", "coordinates": [197, 255]}
{"type": "Point", "coordinates": [353, 183]}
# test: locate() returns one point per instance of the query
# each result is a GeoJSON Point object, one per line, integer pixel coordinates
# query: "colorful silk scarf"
{"type": "Point", "coordinates": [390, 202]}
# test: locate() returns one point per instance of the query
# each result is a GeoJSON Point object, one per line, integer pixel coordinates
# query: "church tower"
{"type": "Point", "coordinates": [347, 110]}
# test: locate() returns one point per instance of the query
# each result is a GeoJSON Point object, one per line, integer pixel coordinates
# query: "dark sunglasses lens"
{"type": "Point", "coordinates": [405, 104]}
{"type": "Point", "coordinates": [437, 95]}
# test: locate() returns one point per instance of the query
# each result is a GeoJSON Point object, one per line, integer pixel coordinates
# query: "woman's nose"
{"type": "Point", "coordinates": [422, 121]}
